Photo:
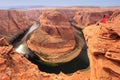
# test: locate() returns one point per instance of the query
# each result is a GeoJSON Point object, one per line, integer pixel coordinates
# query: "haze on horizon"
{"type": "Point", "coordinates": [99, 3]}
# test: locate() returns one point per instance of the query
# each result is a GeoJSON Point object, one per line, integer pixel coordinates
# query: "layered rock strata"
{"type": "Point", "coordinates": [83, 19]}
{"type": "Point", "coordinates": [12, 23]}
{"type": "Point", "coordinates": [104, 49]}
{"type": "Point", "coordinates": [14, 66]}
{"type": "Point", "coordinates": [55, 37]}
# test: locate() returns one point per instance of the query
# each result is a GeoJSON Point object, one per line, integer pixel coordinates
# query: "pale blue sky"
{"type": "Point", "coordinates": [102, 3]}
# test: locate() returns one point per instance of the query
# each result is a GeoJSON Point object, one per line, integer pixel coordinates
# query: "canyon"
{"type": "Point", "coordinates": [102, 41]}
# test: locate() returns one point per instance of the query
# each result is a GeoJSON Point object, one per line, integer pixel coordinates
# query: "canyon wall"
{"type": "Point", "coordinates": [103, 42]}
{"type": "Point", "coordinates": [14, 66]}
{"type": "Point", "coordinates": [104, 49]}
{"type": "Point", "coordinates": [14, 22]}
{"type": "Point", "coordinates": [88, 18]}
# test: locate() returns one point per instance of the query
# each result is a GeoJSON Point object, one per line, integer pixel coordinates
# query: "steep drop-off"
{"type": "Point", "coordinates": [14, 22]}
{"type": "Point", "coordinates": [104, 49]}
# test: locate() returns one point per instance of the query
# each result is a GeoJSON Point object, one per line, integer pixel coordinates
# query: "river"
{"type": "Point", "coordinates": [78, 63]}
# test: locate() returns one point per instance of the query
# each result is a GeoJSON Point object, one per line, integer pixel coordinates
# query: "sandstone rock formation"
{"type": "Point", "coordinates": [104, 49]}
{"type": "Point", "coordinates": [14, 66]}
{"type": "Point", "coordinates": [12, 23]}
{"type": "Point", "coordinates": [55, 38]}
{"type": "Point", "coordinates": [83, 18]}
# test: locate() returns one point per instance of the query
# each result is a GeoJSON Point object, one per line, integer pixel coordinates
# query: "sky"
{"type": "Point", "coordinates": [101, 3]}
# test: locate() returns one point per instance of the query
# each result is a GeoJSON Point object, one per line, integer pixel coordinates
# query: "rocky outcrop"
{"type": "Point", "coordinates": [83, 18]}
{"type": "Point", "coordinates": [104, 49]}
{"type": "Point", "coordinates": [54, 38]}
{"type": "Point", "coordinates": [14, 66]}
{"type": "Point", "coordinates": [12, 23]}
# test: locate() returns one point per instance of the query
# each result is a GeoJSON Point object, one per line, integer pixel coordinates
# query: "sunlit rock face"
{"type": "Point", "coordinates": [104, 49]}
{"type": "Point", "coordinates": [85, 18]}
{"type": "Point", "coordinates": [12, 23]}
{"type": "Point", "coordinates": [14, 66]}
{"type": "Point", "coordinates": [54, 38]}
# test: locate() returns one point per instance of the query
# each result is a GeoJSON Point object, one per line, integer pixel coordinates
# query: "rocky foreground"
{"type": "Point", "coordinates": [103, 42]}
{"type": "Point", "coordinates": [14, 66]}
{"type": "Point", "coordinates": [104, 49]}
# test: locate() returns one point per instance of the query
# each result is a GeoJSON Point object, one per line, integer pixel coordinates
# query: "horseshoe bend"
{"type": "Point", "coordinates": [60, 44]}
{"type": "Point", "coordinates": [56, 40]}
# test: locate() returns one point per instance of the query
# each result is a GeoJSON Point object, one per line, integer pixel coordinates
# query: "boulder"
{"type": "Point", "coordinates": [104, 49]}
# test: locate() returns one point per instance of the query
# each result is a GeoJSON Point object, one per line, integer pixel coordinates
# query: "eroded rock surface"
{"type": "Point", "coordinates": [14, 66]}
{"type": "Point", "coordinates": [104, 49]}
{"type": "Point", "coordinates": [55, 37]}
{"type": "Point", "coordinates": [85, 18]}
{"type": "Point", "coordinates": [12, 23]}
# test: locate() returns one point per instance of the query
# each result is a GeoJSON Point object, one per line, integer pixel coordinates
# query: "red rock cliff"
{"type": "Point", "coordinates": [12, 22]}
{"type": "Point", "coordinates": [14, 66]}
{"type": "Point", "coordinates": [104, 49]}
{"type": "Point", "coordinates": [85, 18]}
{"type": "Point", "coordinates": [54, 37]}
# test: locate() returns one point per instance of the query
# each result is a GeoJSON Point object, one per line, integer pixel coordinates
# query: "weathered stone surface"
{"type": "Point", "coordinates": [14, 66]}
{"type": "Point", "coordinates": [104, 49]}
{"type": "Point", "coordinates": [12, 23]}
{"type": "Point", "coordinates": [85, 18]}
{"type": "Point", "coordinates": [55, 37]}
{"type": "Point", "coordinates": [103, 57]}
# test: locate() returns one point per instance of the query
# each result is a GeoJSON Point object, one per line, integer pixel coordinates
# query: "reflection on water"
{"type": "Point", "coordinates": [21, 46]}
